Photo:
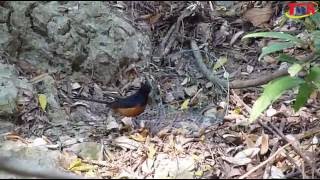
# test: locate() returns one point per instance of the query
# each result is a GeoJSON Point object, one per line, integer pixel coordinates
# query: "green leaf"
{"type": "Point", "coordinates": [316, 19]}
{"type": "Point", "coordinates": [288, 59]}
{"type": "Point", "coordinates": [316, 41]}
{"type": "Point", "coordinates": [279, 35]}
{"type": "Point", "coordinates": [272, 92]}
{"type": "Point", "coordinates": [294, 69]}
{"type": "Point", "coordinates": [275, 47]}
{"type": "Point", "coordinates": [309, 24]}
{"type": "Point", "coordinates": [43, 101]}
{"type": "Point", "coordinates": [314, 76]}
{"type": "Point", "coordinates": [304, 93]}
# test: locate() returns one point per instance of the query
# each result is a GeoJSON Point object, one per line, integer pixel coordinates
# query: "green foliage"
{"type": "Point", "coordinates": [278, 35]}
{"type": "Point", "coordinates": [315, 19]}
{"type": "Point", "coordinates": [273, 91]}
{"type": "Point", "coordinates": [304, 93]}
{"type": "Point", "coordinates": [307, 85]}
{"type": "Point", "coordinates": [312, 82]}
{"type": "Point", "coordinates": [314, 76]}
{"type": "Point", "coordinates": [289, 41]}
{"type": "Point", "coordinates": [275, 47]}
{"type": "Point", "coordinates": [288, 59]}
{"type": "Point", "coordinates": [294, 69]}
{"type": "Point", "coordinates": [316, 41]}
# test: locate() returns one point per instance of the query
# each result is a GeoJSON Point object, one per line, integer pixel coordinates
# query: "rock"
{"type": "Point", "coordinates": [178, 168]}
{"type": "Point", "coordinates": [6, 126]}
{"type": "Point", "coordinates": [10, 88]}
{"type": "Point", "coordinates": [88, 150]}
{"type": "Point", "coordinates": [34, 156]}
{"type": "Point", "coordinates": [73, 36]}
{"type": "Point", "coordinates": [55, 112]}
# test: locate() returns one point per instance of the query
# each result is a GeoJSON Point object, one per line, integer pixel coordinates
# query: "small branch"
{"type": "Point", "coordinates": [296, 149]}
{"type": "Point", "coordinates": [24, 168]}
{"type": "Point", "coordinates": [204, 68]}
{"type": "Point", "coordinates": [263, 163]}
{"type": "Point", "coordinates": [238, 84]}
{"type": "Point", "coordinates": [173, 33]}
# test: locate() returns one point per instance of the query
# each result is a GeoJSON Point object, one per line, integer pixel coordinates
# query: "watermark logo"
{"type": "Point", "coordinates": [301, 9]}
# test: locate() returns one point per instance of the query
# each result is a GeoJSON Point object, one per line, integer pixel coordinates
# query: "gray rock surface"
{"type": "Point", "coordinates": [75, 35]}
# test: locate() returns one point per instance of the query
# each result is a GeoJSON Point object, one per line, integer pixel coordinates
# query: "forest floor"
{"type": "Point", "coordinates": [280, 144]}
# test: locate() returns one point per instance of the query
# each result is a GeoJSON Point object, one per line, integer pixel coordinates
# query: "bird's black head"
{"type": "Point", "coordinates": [145, 87]}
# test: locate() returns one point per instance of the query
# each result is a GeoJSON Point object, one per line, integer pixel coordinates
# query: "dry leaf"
{"type": "Point", "coordinates": [212, 112]}
{"type": "Point", "coordinates": [75, 86]}
{"type": "Point", "coordinates": [259, 16]}
{"type": "Point", "coordinates": [138, 137]}
{"type": "Point", "coordinates": [234, 172]}
{"type": "Point", "coordinates": [43, 101]}
{"type": "Point", "coordinates": [276, 173]}
{"type": "Point", "coordinates": [250, 152]}
{"type": "Point", "coordinates": [220, 62]}
{"type": "Point", "coordinates": [269, 59]}
{"type": "Point", "coordinates": [198, 173]}
{"type": "Point", "coordinates": [75, 163]}
{"type": "Point", "coordinates": [264, 144]}
{"type": "Point", "coordinates": [249, 142]}
{"type": "Point", "coordinates": [125, 142]}
{"type": "Point", "coordinates": [191, 91]}
{"type": "Point", "coordinates": [185, 104]}
{"type": "Point", "coordinates": [83, 167]}
{"type": "Point", "coordinates": [315, 140]}
{"type": "Point", "coordinates": [271, 112]}
{"type": "Point", "coordinates": [235, 37]}
{"type": "Point", "coordinates": [185, 81]}
{"type": "Point", "coordinates": [237, 161]}
{"type": "Point", "coordinates": [249, 69]}
{"type": "Point", "coordinates": [147, 165]}
{"type": "Point", "coordinates": [39, 142]}
{"type": "Point", "coordinates": [151, 151]}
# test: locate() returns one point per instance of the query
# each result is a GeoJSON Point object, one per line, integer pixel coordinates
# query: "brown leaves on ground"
{"type": "Point", "coordinates": [259, 16]}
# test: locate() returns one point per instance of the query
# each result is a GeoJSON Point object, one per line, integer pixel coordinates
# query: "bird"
{"type": "Point", "coordinates": [130, 106]}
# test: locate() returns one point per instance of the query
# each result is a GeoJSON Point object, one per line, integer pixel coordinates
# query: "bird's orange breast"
{"type": "Point", "coordinates": [130, 112]}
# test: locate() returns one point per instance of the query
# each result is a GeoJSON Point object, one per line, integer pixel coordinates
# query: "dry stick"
{"type": "Point", "coordinates": [296, 149]}
{"type": "Point", "coordinates": [173, 32]}
{"type": "Point", "coordinates": [203, 67]}
{"type": "Point", "coordinates": [168, 40]}
{"type": "Point", "coordinates": [248, 109]}
{"type": "Point", "coordinates": [263, 163]}
{"type": "Point", "coordinates": [237, 84]}
{"type": "Point", "coordinates": [299, 170]}
{"type": "Point", "coordinates": [24, 168]}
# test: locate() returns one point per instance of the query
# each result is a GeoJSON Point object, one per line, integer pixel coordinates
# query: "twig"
{"type": "Point", "coordinates": [239, 100]}
{"type": "Point", "coordinates": [238, 84]}
{"type": "Point", "coordinates": [264, 162]}
{"type": "Point", "coordinates": [24, 168]}
{"type": "Point", "coordinates": [174, 31]}
{"type": "Point", "coordinates": [274, 130]}
{"type": "Point", "coordinates": [95, 162]}
{"type": "Point", "coordinates": [294, 163]}
{"type": "Point", "coordinates": [296, 149]}
{"type": "Point", "coordinates": [269, 164]}
{"type": "Point", "coordinates": [204, 68]}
